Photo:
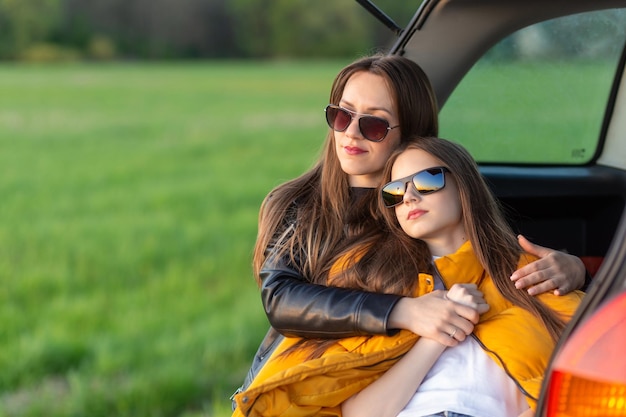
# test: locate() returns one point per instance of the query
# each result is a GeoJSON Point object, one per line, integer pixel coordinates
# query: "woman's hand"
{"type": "Point", "coordinates": [556, 271]}
{"type": "Point", "coordinates": [436, 317]}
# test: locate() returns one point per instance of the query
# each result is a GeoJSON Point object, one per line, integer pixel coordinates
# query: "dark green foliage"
{"type": "Point", "coordinates": [61, 30]}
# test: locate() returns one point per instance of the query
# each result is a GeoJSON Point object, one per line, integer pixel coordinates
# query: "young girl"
{"type": "Point", "coordinates": [437, 195]}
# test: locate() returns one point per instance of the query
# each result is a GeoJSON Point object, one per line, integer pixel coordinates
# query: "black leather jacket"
{"type": "Point", "coordinates": [295, 307]}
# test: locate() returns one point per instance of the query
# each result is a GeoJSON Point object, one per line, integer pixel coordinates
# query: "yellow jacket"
{"type": "Point", "coordinates": [292, 385]}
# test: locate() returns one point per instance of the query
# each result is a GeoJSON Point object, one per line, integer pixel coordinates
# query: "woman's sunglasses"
{"type": "Point", "coordinates": [372, 128]}
{"type": "Point", "coordinates": [425, 182]}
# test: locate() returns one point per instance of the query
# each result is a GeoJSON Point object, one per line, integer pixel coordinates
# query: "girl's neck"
{"type": "Point", "coordinates": [445, 245]}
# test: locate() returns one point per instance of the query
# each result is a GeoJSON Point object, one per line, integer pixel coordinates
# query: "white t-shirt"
{"type": "Point", "coordinates": [466, 380]}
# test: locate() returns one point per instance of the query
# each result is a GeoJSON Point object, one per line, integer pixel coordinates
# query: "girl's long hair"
{"type": "Point", "coordinates": [313, 218]}
{"type": "Point", "coordinates": [492, 239]}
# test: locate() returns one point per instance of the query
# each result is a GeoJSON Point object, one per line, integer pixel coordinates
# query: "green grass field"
{"type": "Point", "coordinates": [129, 201]}
{"type": "Point", "coordinates": [128, 216]}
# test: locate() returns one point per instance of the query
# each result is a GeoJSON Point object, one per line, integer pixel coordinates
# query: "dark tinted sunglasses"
{"type": "Point", "coordinates": [425, 182]}
{"type": "Point", "coordinates": [372, 128]}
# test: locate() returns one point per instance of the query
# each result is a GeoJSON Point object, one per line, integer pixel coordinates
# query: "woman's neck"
{"type": "Point", "coordinates": [364, 181]}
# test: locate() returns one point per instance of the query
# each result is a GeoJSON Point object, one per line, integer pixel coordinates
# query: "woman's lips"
{"type": "Point", "coordinates": [354, 150]}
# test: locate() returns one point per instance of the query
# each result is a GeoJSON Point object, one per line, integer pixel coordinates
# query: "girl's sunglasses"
{"type": "Point", "coordinates": [372, 128]}
{"type": "Point", "coordinates": [425, 182]}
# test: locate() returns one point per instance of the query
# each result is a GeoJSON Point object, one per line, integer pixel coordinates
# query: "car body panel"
{"type": "Point", "coordinates": [614, 152]}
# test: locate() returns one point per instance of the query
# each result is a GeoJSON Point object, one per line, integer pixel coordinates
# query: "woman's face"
{"type": "Point", "coordinates": [435, 218]}
{"type": "Point", "coordinates": [361, 159]}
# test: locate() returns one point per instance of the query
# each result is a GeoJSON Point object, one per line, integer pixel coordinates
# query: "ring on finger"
{"type": "Point", "coordinates": [454, 332]}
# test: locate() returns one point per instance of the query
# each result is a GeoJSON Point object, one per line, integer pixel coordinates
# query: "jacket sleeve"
{"type": "Point", "coordinates": [296, 307]}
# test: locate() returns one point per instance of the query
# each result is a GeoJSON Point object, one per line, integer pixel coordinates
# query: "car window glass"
{"type": "Point", "coordinates": [539, 96]}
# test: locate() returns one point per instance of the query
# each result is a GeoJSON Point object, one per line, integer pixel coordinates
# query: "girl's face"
{"type": "Point", "coordinates": [435, 218]}
{"type": "Point", "coordinates": [361, 159]}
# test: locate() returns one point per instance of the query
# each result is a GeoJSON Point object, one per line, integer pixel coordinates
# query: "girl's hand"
{"type": "Point", "coordinates": [469, 295]}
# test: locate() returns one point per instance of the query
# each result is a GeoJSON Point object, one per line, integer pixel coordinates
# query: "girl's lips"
{"type": "Point", "coordinates": [354, 150]}
{"type": "Point", "coordinates": [414, 214]}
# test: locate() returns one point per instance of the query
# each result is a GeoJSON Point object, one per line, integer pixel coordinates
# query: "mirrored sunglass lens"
{"type": "Point", "coordinates": [373, 128]}
{"type": "Point", "coordinates": [338, 119]}
{"type": "Point", "coordinates": [428, 181]}
{"type": "Point", "coordinates": [393, 193]}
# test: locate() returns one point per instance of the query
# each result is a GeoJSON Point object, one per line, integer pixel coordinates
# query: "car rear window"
{"type": "Point", "coordinates": [539, 96]}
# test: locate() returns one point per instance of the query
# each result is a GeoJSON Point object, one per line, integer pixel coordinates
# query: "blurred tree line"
{"type": "Point", "coordinates": [189, 29]}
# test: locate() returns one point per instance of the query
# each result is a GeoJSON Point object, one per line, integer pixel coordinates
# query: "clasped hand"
{"type": "Point", "coordinates": [445, 316]}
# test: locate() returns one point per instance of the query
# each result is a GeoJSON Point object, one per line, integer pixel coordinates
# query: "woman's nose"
{"type": "Point", "coordinates": [410, 193]}
{"type": "Point", "coordinates": [353, 129]}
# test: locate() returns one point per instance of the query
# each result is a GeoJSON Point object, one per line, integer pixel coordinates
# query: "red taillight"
{"type": "Point", "coordinates": [588, 377]}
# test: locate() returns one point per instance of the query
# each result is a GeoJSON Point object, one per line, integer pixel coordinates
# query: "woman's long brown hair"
{"type": "Point", "coordinates": [492, 239]}
{"type": "Point", "coordinates": [312, 218]}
